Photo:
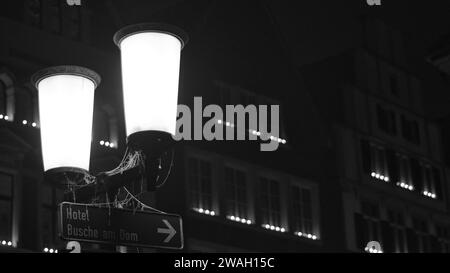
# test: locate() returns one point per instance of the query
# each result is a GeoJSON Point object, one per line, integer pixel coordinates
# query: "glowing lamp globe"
{"type": "Point", "coordinates": [66, 106]}
{"type": "Point", "coordinates": [150, 56]}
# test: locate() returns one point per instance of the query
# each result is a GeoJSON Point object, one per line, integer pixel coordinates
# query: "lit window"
{"type": "Point", "coordinates": [200, 183]}
{"type": "Point", "coordinates": [236, 184]}
{"type": "Point", "coordinates": [270, 202]}
{"type": "Point", "coordinates": [302, 209]}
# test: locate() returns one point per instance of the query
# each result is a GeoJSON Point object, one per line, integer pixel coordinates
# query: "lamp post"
{"type": "Point", "coordinates": [150, 55]}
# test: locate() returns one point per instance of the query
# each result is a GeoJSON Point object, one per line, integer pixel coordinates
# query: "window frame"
{"type": "Point", "coordinates": [232, 202]}
{"type": "Point", "coordinates": [200, 202]}
{"type": "Point", "coordinates": [298, 222]}
{"type": "Point", "coordinates": [267, 212]}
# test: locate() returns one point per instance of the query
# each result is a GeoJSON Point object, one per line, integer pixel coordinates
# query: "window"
{"type": "Point", "coordinates": [55, 11]}
{"type": "Point", "coordinates": [398, 229]}
{"type": "Point", "coordinates": [6, 206]}
{"type": "Point", "coordinates": [237, 193]}
{"type": "Point", "coordinates": [422, 235]}
{"type": "Point", "coordinates": [270, 202]}
{"type": "Point", "coordinates": [378, 160]}
{"type": "Point", "coordinates": [387, 121]}
{"type": "Point", "coordinates": [33, 11]}
{"type": "Point", "coordinates": [368, 225]}
{"type": "Point", "coordinates": [200, 181]}
{"type": "Point", "coordinates": [3, 98]}
{"type": "Point", "coordinates": [48, 217]}
{"type": "Point", "coordinates": [405, 169]}
{"type": "Point", "coordinates": [74, 22]}
{"type": "Point", "coordinates": [375, 161]}
{"type": "Point", "coordinates": [371, 217]}
{"type": "Point", "coordinates": [443, 238]}
{"type": "Point", "coordinates": [410, 130]}
{"type": "Point", "coordinates": [302, 209]}
{"type": "Point", "coordinates": [431, 185]}
{"type": "Point", "coordinates": [24, 104]}
{"type": "Point", "coordinates": [426, 179]}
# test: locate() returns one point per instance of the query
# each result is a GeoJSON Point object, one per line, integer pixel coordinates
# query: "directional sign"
{"type": "Point", "coordinates": [121, 227]}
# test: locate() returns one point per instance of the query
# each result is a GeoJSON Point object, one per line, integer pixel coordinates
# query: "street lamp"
{"type": "Point", "coordinates": [150, 55]}
{"type": "Point", "coordinates": [66, 105]}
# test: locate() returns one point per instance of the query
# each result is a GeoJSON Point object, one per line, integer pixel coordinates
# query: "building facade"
{"type": "Point", "coordinates": [390, 159]}
{"type": "Point", "coordinates": [357, 160]}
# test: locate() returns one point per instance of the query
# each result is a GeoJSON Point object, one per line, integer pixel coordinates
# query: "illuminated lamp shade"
{"type": "Point", "coordinates": [66, 105]}
{"type": "Point", "coordinates": [150, 55]}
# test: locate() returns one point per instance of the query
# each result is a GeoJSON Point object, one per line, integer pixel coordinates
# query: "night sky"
{"type": "Point", "coordinates": [313, 29]}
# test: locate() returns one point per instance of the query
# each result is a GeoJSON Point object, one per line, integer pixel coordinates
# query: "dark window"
{"type": "Point", "coordinates": [237, 192]}
{"type": "Point", "coordinates": [270, 202]}
{"type": "Point", "coordinates": [366, 158]}
{"type": "Point", "coordinates": [398, 229]}
{"type": "Point", "coordinates": [443, 239]}
{"type": "Point", "coordinates": [6, 206]}
{"type": "Point", "coordinates": [55, 11]}
{"type": "Point", "coordinates": [24, 105]}
{"type": "Point", "coordinates": [200, 181]}
{"type": "Point", "coordinates": [410, 130]}
{"type": "Point", "coordinates": [48, 218]}
{"type": "Point", "coordinates": [33, 11]}
{"type": "Point", "coordinates": [386, 120]}
{"type": "Point", "coordinates": [416, 172]}
{"type": "Point", "coordinates": [302, 209]}
{"type": "Point", "coordinates": [370, 223]}
{"type": "Point", "coordinates": [74, 23]}
{"type": "Point", "coordinates": [438, 183]}
{"type": "Point", "coordinates": [422, 235]}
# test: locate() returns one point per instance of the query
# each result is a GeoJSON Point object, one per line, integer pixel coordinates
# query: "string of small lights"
{"type": "Point", "coordinates": [7, 243]}
{"type": "Point", "coordinates": [402, 185]}
{"type": "Point", "coordinates": [306, 235]}
{"type": "Point", "coordinates": [107, 144]}
{"type": "Point", "coordinates": [205, 211]}
{"type": "Point", "coordinates": [253, 131]}
{"type": "Point", "coordinates": [239, 219]}
{"type": "Point", "coordinates": [50, 250]}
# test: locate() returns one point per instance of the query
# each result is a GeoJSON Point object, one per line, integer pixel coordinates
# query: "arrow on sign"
{"type": "Point", "coordinates": [170, 230]}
